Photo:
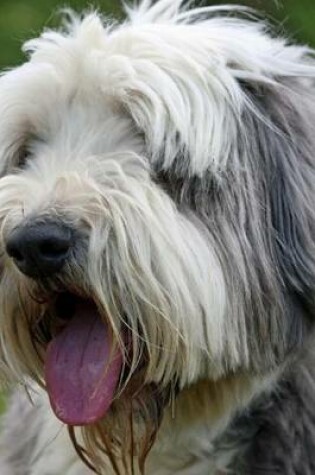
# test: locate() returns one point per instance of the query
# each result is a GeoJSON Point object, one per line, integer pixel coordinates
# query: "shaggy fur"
{"type": "Point", "coordinates": [178, 147]}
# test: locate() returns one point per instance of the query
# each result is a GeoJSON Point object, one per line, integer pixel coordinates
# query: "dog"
{"type": "Point", "coordinates": [157, 217]}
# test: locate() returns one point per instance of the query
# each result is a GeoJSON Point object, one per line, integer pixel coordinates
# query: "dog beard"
{"type": "Point", "coordinates": [117, 410]}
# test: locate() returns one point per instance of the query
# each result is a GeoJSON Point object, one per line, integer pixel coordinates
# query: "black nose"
{"type": "Point", "coordinates": [40, 249]}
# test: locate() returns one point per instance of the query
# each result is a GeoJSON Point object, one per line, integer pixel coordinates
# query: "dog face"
{"type": "Point", "coordinates": [157, 222]}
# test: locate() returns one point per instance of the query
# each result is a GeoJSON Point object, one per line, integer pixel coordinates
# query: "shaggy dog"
{"type": "Point", "coordinates": [157, 212]}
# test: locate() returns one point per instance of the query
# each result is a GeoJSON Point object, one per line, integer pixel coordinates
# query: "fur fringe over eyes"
{"type": "Point", "coordinates": [180, 147]}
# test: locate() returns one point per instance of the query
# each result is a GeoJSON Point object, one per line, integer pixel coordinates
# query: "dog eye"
{"type": "Point", "coordinates": [22, 158]}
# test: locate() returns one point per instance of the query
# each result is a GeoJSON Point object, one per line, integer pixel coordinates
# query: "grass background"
{"type": "Point", "coordinates": [23, 19]}
{"type": "Point", "coordinates": [2, 403]}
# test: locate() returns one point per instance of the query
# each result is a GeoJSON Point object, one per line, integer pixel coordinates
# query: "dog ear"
{"type": "Point", "coordinates": [178, 117]}
{"type": "Point", "coordinates": [182, 104]}
{"type": "Point", "coordinates": [284, 142]}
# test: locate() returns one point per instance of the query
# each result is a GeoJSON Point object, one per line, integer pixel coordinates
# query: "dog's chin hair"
{"type": "Point", "coordinates": [128, 432]}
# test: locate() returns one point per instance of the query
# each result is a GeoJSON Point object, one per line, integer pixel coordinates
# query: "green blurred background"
{"type": "Point", "coordinates": [22, 19]}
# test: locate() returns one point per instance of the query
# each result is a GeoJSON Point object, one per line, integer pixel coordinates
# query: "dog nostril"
{"type": "Point", "coordinates": [54, 249]}
{"type": "Point", "coordinates": [15, 254]}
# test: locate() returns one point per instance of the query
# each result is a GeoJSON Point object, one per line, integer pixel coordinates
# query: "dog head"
{"type": "Point", "coordinates": [157, 212]}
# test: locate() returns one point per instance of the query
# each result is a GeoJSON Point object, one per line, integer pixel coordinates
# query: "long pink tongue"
{"type": "Point", "coordinates": [81, 371]}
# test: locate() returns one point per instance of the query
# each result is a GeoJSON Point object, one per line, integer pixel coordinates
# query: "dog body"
{"type": "Point", "coordinates": [158, 248]}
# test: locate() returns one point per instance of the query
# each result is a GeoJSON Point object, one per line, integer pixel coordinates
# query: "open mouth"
{"type": "Point", "coordinates": [83, 365]}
